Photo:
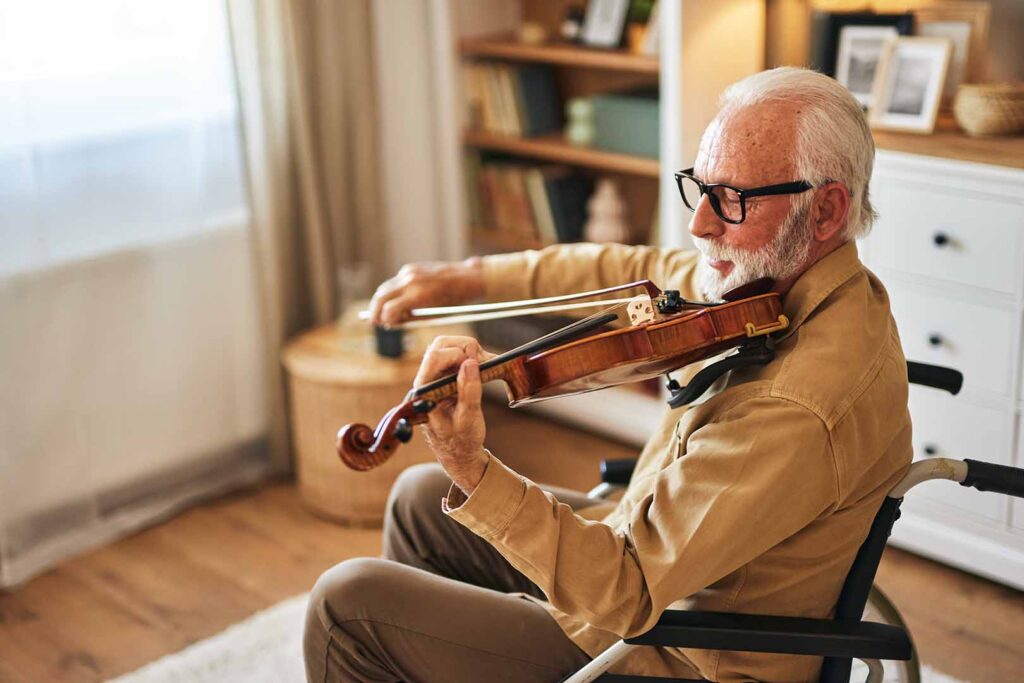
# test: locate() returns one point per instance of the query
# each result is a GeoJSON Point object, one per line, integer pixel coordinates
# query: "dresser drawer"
{"type": "Point", "coordinates": [949, 427]}
{"type": "Point", "coordinates": [947, 234]}
{"type": "Point", "coordinates": [973, 338]}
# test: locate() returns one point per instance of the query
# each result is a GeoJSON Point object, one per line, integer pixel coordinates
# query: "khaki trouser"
{"type": "Point", "coordinates": [442, 606]}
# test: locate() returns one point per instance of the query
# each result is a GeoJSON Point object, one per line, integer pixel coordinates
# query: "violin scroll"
{"type": "Point", "coordinates": [362, 448]}
{"type": "Point", "coordinates": [354, 444]}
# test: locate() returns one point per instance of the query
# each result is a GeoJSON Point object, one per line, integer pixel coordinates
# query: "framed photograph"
{"type": "Point", "coordinates": [604, 23]}
{"type": "Point", "coordinates": [860, 49]}
{"type": "Point", "coordinates": [966, 24]}
{"type": "Point", "coordinates": [827, 27]}
{"type": "Point", "coordinates": [909, 84]}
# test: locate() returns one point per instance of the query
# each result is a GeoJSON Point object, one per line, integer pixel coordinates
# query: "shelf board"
{"type": "Point", "coordinates": [555, 148]}
{"type": "Point", "coordinates": [561, 54]}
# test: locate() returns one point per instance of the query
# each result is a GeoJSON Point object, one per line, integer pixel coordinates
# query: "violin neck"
{"type": "Point", "coordinates": [447, 386]}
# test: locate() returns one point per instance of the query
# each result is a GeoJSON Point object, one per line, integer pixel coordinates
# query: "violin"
{"type": "Point", "coordinates": [664, 333]}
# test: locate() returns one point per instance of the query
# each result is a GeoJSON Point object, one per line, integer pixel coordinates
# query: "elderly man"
{"type": "Point", "coordinates": [754, 500]}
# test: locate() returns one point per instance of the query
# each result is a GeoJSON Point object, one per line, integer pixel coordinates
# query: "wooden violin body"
{"type": "Point", "coordinates": [605, 359]}
{"type": "Point", "coordinates": [641, 352]}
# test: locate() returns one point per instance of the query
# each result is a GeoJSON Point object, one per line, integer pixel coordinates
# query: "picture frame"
{"type": "Point", "coordinates": [604, 23]}
{"type": "Point", "coordinates": [966, 23]}
{"type": "Point", "coordinates": [827, 27]}
{"type": "Point", "coordinates": [909, 83]}
{"type": "Point", "coordinates": [860, 51]}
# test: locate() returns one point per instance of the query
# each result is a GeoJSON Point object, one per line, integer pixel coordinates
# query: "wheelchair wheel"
{"type": "Point", "coordinates": [881, 610]}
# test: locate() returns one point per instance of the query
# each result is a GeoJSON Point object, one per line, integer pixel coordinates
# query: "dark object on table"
{"type": "Point", "coordinates": [390, 342]}
{"type": "Point", "coordinates": [825, 28]}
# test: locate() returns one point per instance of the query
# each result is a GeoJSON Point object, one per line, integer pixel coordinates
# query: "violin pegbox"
{"type": "Point", "coordinates": [640, 310]}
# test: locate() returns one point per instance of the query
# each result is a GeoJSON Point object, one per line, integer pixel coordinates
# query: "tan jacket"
{"type": "Point", "coordinates": [754, 501]}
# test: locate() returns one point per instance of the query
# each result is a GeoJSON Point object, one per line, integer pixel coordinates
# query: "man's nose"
{"type": "Point", "coordinates": [705, 222]}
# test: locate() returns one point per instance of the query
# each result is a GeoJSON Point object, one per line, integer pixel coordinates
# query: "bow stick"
{"type": "Point", "coordinates": [442, 315]}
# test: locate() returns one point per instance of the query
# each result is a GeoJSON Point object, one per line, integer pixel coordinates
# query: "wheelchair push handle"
{"type": "Point", "coordinates": [986, 476]}
{"type": "Point", "coordinates": [935, 376]}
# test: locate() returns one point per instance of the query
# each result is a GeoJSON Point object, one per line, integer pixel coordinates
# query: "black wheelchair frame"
{"type": "Point", "coordinates": [844, 637]}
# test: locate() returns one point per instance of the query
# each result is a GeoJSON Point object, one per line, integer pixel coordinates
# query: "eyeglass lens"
{"type": "Point", "coordinates": [725, 201]}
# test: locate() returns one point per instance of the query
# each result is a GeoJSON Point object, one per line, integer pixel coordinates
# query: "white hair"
{"type": "Point", "coordinates": [834, 142]}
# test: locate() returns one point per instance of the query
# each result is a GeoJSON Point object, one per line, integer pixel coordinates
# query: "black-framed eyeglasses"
{"type": "Point", "coordinates": [728, 202]}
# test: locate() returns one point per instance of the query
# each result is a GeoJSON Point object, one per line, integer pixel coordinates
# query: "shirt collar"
{"type": "Point", "coordinates": [819, 281]}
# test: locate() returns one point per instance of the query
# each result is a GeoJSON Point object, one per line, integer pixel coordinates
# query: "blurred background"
{"type": "Point", "coordinates": [197, 197]}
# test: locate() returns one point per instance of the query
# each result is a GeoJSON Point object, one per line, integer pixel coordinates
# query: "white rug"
{"type": "Point", "coordinates": [267, 648]}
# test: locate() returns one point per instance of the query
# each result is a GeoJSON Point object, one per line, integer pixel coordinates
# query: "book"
{"type": "Point", "coordinates": [542, 215]}
{"type": "Point", "coordinates": [473, 92]}
{"type": "Point", "coordinates": [481, 76]}
{"type": "Point", "coordinates": [511, 100]}
{"type": "Point", "coordinates": [495, 102]}
{"type": "Point", "coordinates": [538, 101]}
{"type": "Point", "coordinates": [521, 223]}
{"type": "Point", "coordinates": [567, 193]}
{"type": "Point", "coordinates": [509, 123]}
{"type": "Point", "coordinates": [474, 188]}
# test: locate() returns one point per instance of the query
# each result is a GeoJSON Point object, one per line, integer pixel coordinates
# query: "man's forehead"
{"type": "Point", "coordinates": [750, 146]}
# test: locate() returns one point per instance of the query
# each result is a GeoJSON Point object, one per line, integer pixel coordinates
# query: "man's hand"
{"type": "Point", "coordinates": [426, 284]}
{"type": "Point", "coordinates": [455, 430]}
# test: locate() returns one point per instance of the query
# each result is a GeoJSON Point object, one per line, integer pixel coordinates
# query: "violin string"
{"type": "Point", "coordinates": [592, 321]}
{"type": "Point", "coordinates": [571, 326]}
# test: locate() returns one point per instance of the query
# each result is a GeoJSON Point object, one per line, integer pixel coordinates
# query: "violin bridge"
{"type": "Point", "coordinates": [640, 310]}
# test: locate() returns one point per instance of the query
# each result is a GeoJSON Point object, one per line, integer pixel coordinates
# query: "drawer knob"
{"type": "Point", "coordinates": [940, 239]}
{"type": "Point", "coordinates": [930, 449]}
{"type": "Point", "coordinates": [935, 339]}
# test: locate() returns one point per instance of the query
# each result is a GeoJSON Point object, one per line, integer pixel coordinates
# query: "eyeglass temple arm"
{"type": "Point", "coordinates": [781, 188]}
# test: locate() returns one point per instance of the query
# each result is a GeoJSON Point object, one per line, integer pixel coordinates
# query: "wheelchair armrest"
{"type": "Point", "coordinates": [617, 471]}
{"type": "Point", "coordinates": [781, 635]}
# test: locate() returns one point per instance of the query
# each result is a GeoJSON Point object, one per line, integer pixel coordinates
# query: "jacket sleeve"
{"type": "Point", "coordinates": [568, 268]}
{"type": "Point", "coordinates": [747, 481]}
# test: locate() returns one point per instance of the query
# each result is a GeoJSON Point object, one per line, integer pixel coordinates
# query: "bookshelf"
{"type": "Point", "coordinates": [694, 65]}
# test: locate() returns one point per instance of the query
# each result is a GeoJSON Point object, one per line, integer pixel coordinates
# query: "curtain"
{"type": "Point", "coordinates": [132, 347]}
{"type": "Point", "coordinates": [308, 101]}
{"type": "Point", "coordinates": [183, 187]}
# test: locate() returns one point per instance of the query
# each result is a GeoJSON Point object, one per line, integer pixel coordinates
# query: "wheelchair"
{"type": "Point", "coordinates": [866, 626]}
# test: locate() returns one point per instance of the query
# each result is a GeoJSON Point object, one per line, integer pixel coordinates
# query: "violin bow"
{"type": "Point", "coordinates": [446, 315]}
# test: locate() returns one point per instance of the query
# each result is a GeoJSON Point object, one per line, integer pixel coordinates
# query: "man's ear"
{"type": "Point", "coordinates": [831, 209]}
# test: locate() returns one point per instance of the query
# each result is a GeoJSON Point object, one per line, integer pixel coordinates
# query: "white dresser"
{"type": "Point", "coordinates": [949, 246]}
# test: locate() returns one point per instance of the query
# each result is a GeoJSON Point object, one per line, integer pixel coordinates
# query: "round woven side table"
{"type": "Point", "coordinates": [335, 377]}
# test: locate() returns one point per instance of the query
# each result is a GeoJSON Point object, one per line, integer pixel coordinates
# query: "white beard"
{"type": "Point", "coordinates": [779, 259]}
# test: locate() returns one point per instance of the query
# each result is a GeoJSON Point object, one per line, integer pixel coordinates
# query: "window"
{"type": "Point", "coordinates": [118, 127]}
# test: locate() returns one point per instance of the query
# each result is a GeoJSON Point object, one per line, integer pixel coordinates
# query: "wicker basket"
{"type": "Point", "coordinates": [990, 109]}
{"type": "Point", "coordinates": [335, 377]}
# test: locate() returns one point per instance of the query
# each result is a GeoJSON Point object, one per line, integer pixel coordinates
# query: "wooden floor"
{"type": "Point", "coordinates": [115, 609]}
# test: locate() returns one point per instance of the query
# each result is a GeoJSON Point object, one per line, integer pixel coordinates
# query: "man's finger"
{"type": "Point", "coordinates": [395, 311]}
{"type": "Point", "coordinates": [469, 345]}
{"type": "Point", "coordinates": [470, 390]}
{"type": "Point", "coordinates": [385, 293]}
{"type": "Point", "coordinates": [438, 362]}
